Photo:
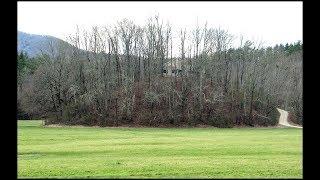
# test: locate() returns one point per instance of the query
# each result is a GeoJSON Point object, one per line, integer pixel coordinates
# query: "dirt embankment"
{"type": "Point", "coordinates": [283, 119]}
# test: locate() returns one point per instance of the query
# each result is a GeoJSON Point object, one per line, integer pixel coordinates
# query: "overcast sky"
{"type": "Point", "coordinates": [270, 22]}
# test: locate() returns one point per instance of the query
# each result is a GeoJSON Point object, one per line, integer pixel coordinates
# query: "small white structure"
{"type": "Point", "coordinates": [172, 68]}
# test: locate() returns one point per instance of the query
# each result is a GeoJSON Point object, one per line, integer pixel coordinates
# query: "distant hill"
{"type": "Point", "coordinates": [34, 44]}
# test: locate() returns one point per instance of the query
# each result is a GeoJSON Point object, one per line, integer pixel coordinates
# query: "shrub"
{"type": "Point", "coordinates": [294, 118]}
{"type": "Point", "coordinates": [273, 115]}
{"type": "Point", "coordinates": [221, 121]}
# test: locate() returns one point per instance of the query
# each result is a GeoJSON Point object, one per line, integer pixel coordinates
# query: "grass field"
{"type": "Point", "coordinates": [79, 152]}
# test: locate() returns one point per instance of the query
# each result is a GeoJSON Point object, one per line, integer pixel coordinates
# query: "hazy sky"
{"type": "Point", "coordinates": [270, 22]}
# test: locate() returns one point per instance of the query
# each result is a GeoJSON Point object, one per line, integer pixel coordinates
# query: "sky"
{"type": "Point", "coordinates": [268, 22]}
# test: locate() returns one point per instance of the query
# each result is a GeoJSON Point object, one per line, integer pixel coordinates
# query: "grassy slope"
{"type": "Point", "coordinates": [164, 152]}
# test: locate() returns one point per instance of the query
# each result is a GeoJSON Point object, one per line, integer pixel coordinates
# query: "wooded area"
{"type": "Point", "coordinates": [116, 75]}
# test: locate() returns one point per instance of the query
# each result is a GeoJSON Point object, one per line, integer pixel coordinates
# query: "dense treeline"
{"type": "Point", "coordinates": [128, 75]}
{"type": "Point", "coordinates": [26, 66]}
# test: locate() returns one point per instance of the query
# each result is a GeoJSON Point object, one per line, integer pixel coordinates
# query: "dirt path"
{"type": "Point", "coordinates": [283, 119]}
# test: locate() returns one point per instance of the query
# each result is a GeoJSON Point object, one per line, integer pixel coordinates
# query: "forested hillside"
{"type": "Point", "coordinates": [121, 80]}
{"type": "Point", "coordinates": [36, 44]}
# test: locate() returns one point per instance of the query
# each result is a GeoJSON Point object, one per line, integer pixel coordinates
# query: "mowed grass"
{"type": "Point", "coordinates": [80, 152]}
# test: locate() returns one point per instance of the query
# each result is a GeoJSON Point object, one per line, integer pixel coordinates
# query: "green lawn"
{"type": "Point", "coordinates": [70, 152]}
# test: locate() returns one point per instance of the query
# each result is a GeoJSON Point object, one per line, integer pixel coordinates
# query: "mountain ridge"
{"type": "Point", "coordinates": [34, 44]}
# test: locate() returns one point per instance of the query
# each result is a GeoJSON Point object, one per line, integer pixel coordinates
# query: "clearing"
{"type": "Point", "coordinates": [84, 152]}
